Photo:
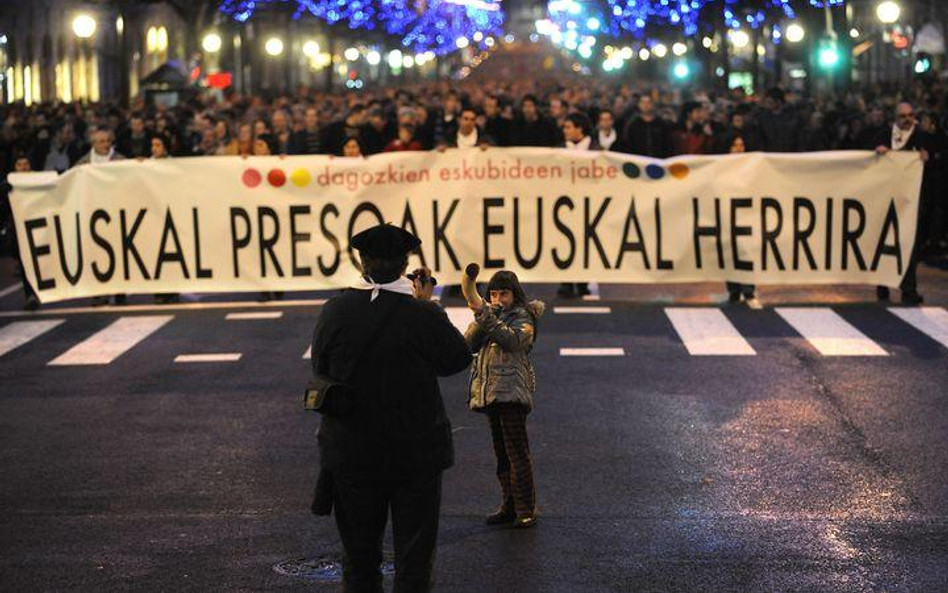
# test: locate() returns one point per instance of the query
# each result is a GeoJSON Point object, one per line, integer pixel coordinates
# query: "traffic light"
{"type": "Point", "coordinates": [923, 63]}
{"type": "Point", "coordinates": [828, 55]}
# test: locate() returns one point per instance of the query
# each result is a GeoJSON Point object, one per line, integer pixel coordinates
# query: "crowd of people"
{"type": "Point", "coordinates": [651, 121]}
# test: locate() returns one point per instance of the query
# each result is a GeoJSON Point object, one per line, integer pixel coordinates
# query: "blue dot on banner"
{"type": "Point", "coordinates": [631, 170]}
{"type": "Point", "coordinates": [654, 172]}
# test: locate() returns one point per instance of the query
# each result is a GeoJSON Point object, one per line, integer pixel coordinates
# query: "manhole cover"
{"type": "Point", "coordinates": [322, 568]}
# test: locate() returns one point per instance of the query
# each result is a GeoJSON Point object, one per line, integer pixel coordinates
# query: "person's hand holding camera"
{"type": "Point", "coordinates": [422, 283]}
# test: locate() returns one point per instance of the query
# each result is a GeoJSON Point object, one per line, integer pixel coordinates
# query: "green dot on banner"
{"type": "Point", "coordinates": [631, 170]}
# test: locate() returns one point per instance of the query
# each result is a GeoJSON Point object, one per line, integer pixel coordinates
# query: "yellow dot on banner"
{"type": "Point", "coordinates": [301, 177]}
{"type": "Point", "coordinates": [678, 171]}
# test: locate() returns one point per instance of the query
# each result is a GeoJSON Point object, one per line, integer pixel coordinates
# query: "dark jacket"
{"type": "Point", "coordinates": [502, 371]}
{"type": "Point", "coordinates": [646, 138]}
{"type": "Point", "coordinates": [539, 132]}
{"type": "Point", "coordinates": [781, 131]}
{"type": "Point", "coordinates": [397, 427]}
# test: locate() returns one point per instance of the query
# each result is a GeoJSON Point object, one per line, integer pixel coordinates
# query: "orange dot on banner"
{"type": "Point", "coordinates": [276, 177]}
{"type": "Point", "coordinates": [678, 171]}
{"type": "Point", "coordinates": [252, 178]}
{"type": "Point", "coordinates": [301, 177]}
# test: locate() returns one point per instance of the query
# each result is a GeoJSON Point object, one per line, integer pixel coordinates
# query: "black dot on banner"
{"type": "Point", "coordinates": [654, 171]}
{"type": "Point", "coordinates": [631, 170]}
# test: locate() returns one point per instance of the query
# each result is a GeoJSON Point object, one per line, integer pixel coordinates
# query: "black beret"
{"type": "Point", "coordinates": [385, 241]}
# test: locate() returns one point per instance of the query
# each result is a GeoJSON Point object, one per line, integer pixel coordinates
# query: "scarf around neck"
{"type": "Point", "coordinates": [401, 286]}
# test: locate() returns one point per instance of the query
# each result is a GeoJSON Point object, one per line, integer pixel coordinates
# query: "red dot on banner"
{"type": "Point", "coordinates": [678, 171]}
{"type": "Point", "coordinates": [252, 178]}
{"type": "Point", "coordinates": [276, 177]}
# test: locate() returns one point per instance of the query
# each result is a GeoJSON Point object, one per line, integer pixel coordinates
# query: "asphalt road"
{"type": "Point", "coordinates": [787, 465]}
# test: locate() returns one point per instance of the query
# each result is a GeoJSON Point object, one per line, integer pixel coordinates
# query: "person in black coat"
{"type": "Point", "coordinates": [906, 135]}
{"type": "Point", "coordinates": [533, 128]}
{"type": "Point", "coordinates": [389, 447]}
{"type": "Point", "coordinates": [646, 134]}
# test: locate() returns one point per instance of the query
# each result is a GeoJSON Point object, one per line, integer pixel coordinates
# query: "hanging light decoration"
{"type": "Point", "coordinates": [422, 25]}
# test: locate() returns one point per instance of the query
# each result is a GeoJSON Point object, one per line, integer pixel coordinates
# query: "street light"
{"type": "Point", "coordinates": [659, 50]}
{"type": "Point", "coordinates": [679, 49]}
{"type": "Point", "coordinates": [211, 43]}
{"type": "Point", "coordinates": [274, 46]}
{"type": "Point", "coordinates": [888, 12]}
{"type": "Point", "coordinates": [351, 54]}
{"type": "Point", "coordinates": [795, 33]}
{"type": "Point", "coordinates": [311, 49]}
{"type": "Point", "coordinates": [83, 26]}
{"type": "Point", "coordinates": [739, 38]}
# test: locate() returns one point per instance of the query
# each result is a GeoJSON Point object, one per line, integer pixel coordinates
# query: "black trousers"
{"type": "Point", "coordinates": [362, 508]}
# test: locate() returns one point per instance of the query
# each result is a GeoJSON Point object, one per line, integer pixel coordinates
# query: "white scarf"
{"type": "Point", "coordinates": [581, 145]}
{"type": "Point", "coordinates": [901, 137]}
{"type": "Point", "coordinates": [402, 286]}
{"type": "Point", "coordinates": [607, 140]}
{"type": "Point", "coordinates": [95, 157]}
{"type": "Point", "coordinates": [469, 141]}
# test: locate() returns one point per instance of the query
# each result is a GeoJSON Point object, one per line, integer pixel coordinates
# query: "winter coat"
{"type": "Point", "coordinates": [502, 341]}
{"type": "Point", "coordinates": [398, 426]}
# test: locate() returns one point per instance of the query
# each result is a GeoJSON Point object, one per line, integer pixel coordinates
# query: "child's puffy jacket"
{"type": "Point", "coordinates": [502, 341]}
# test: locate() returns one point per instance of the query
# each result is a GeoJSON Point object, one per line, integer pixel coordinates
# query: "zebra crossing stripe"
{"type": "Point", "coordinates": [20, 332]}
{"type": "Point", "coordinates": [108, 344]}
{"type": "Point", "coordinates": [932, 321]}
{"type": "Point", "coordinates": [829, 333]}
{"type": "Point", "coordinates": [582, 310]}
{"type": "Point", "coordinates": [708, 332]}
{"type": "Point", "coordinates": [220, 357]}
{"type": "Point", "coordinates": [592, 352]}
{"type": "Point", "coordinates": [247, 315]}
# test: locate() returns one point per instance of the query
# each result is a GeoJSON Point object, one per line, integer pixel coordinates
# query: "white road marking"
{"type": "Point", "coordinates": [582, 310]}
{"type": "Point", "coordinates": [708, 332]}
{"type": "Point", "coordinates": [592, 352]}
{"type": "Point", "coordinates": [254, 315]}
{"type": "Point", "coordinates": [222, 357]}
{"type": "Point", "coordinates": [10, 289]}
{"type": "Point", "coordinates": [20, 332]}
{"type": "Point", "coordinates": [108, 344]}
{"type": "Point", "coordinates": [829, 333]}
{"type": "Point", "coordinates": [461, 317]}
{"type": "Point", "coordinates": [170, 307]}
{"type": "Point", "coordinates": [932, 321]}
{"type": "Point", "coordinates": [309, 352]}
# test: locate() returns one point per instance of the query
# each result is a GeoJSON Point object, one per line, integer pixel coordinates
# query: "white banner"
{"type": "Point", "coordinates": [227, 224]}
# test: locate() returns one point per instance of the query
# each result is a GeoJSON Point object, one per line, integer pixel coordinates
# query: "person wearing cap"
{"type": "Point", "coordinates": [388, 343]}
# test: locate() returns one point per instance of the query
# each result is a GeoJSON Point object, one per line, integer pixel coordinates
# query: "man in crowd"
{"type": "Point", "coordinates": [21, 165]}
{"type": "Point", "coordinates": [467, 134]}
{"type": "Point", "coordinates": [646, 134]}
{"type": "Point", "coordinates": [135, 142]}
{"type": "Point", "coordinates": [533, 128]}
{"type": "Point", "coordinates": [606, 134]}
{"type": "Point", "coordinates": [102, 149]}
{"type": "Point", "coordinates": [780, 125]}
{"type": "Point", "coordinates": [309, 139]}
{"type": "Point", "coordinates": [905, 135]}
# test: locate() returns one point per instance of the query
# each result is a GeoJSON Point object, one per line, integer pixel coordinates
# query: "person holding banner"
{"type": "Point", "coordinates": [21, 164]}
{"type": "Point", "coordinates": [388, 344]}
{"type": "Point", "coordinates": [906, 136]}
{"type": "Point", "coordinates": [502, 385]}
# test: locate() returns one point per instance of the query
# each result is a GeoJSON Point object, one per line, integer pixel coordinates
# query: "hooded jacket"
{"type": "Point", "coordinates": [502, 341]}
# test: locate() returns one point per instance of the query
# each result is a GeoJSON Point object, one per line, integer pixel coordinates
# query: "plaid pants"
{"type": "Point", "coordinates": [508, 430]}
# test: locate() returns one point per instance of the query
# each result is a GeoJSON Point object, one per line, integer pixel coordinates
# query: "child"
{"type": "Point", "coordinates": [502, 386]}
